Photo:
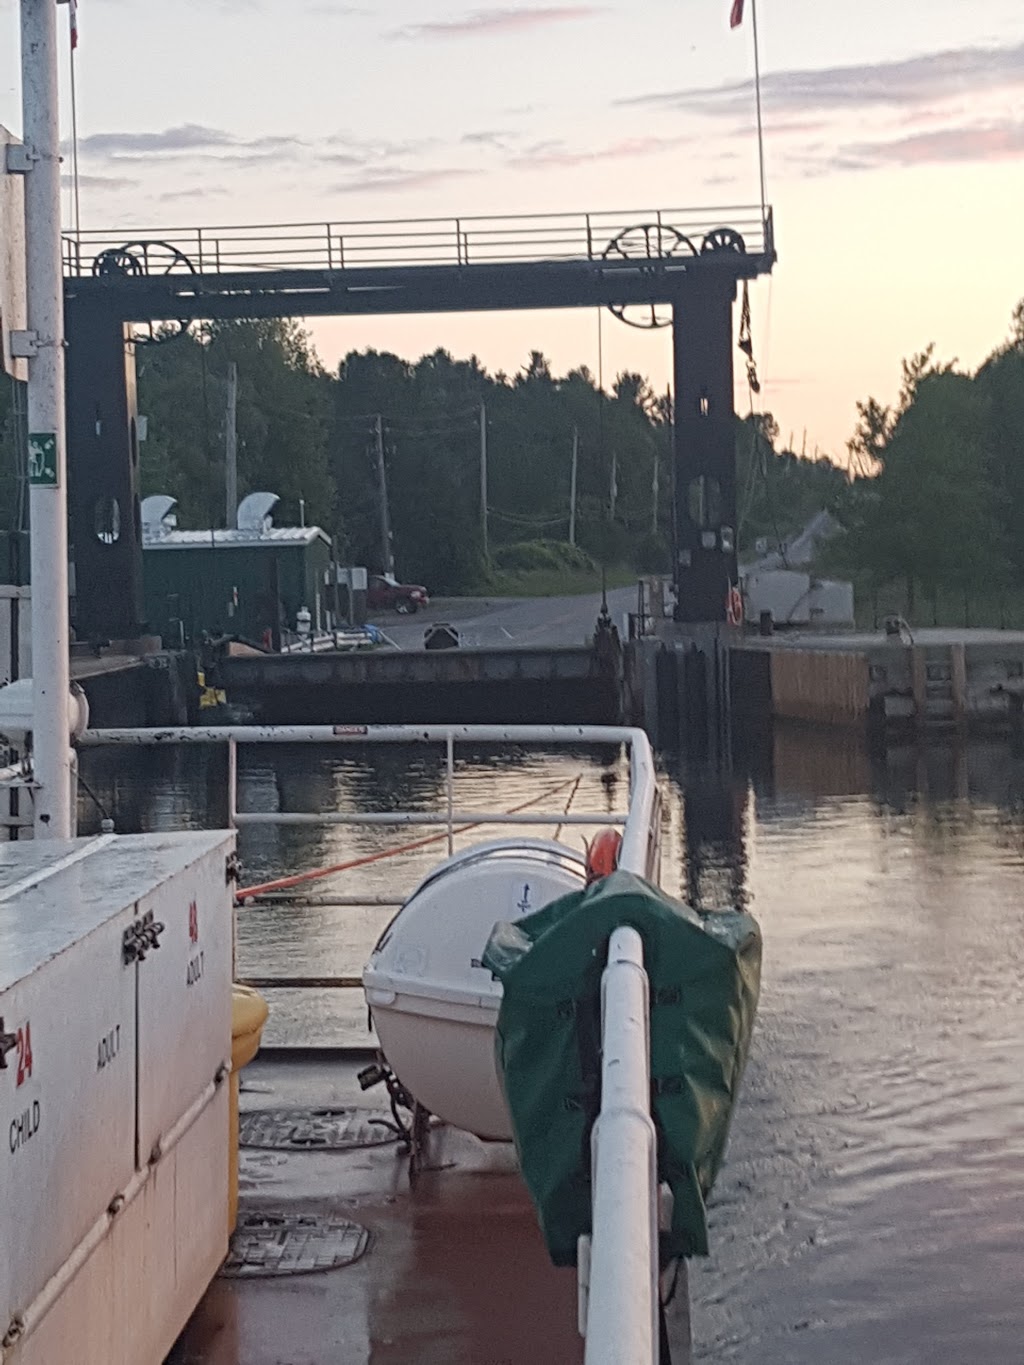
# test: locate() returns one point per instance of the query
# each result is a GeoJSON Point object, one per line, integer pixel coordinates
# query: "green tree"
{"type": "Point", "coordinates": [929, 518]}
{"type": "Point", "coordinates": [1001, 382]}
{"type": "Point", "coordinates": [282, 420]}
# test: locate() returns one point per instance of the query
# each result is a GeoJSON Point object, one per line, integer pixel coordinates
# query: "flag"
{"type": "Point", "coordinates": [735, 14]}
{"type": "Point", "coordinates": [73, 10]}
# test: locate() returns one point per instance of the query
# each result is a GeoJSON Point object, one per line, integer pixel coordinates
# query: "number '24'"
{"type": "Point", "coordinates": [24, 1045]}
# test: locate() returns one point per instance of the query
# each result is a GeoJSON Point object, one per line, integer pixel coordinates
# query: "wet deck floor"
{"type": "Point", "coordinates": [455, 1273]}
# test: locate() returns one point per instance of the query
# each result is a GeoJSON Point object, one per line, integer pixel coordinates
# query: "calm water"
{"type": "Point", "coordinates": [872, 1206]}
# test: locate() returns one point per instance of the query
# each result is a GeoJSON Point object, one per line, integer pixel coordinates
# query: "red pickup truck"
{"type": "Point", "coordinates": [384, 592]}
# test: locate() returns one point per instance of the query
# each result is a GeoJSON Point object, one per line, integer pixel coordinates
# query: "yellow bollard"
{"type": "Point", "coordinates": [248, 1015]}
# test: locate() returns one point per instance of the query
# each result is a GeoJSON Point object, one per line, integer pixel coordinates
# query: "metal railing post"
{"type": "Point", "coordinates": [451, 793]}
{"type": "Point", "coordinates": [622, 1291]}
{"type": "Point", "coordinates": [232, 784]}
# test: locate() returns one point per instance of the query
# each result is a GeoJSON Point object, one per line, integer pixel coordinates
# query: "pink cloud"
{"type": "Point", "coordinates": [1001, 141]}
{"type": "Point", "coordinates": [548, 155]}
{"type": "Point", "coordinates": [509, 19]}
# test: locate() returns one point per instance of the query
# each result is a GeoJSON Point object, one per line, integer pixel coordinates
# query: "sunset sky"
{"type": "Point", "coordinates": [894, 144]}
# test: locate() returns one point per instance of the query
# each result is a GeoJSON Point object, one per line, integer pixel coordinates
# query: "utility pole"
{"type": "Point", "coordinates": [47, 441]}
{"type": "Point", "coordinates": [613, 492]}
{"type": "Point", "coordinates": [483, 478]}
{"type": "Point", "coordinates": [387, 553]}
{"type": "Point", "coordinates": [655, 476]}
{"type": "Point", "coordinates": [231, 448]}
{"type": "Point", "coordinates": [572, 484]}
{"type": "Point", "coordinates": [672, 494]}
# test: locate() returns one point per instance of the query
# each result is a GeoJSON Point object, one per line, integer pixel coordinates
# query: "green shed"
{"type": "Point", "coordinates": [249, 582]}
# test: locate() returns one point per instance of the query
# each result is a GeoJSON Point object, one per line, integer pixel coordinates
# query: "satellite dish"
{"type": "Point", "coordinates": [254, 512]}
{"type": "Point", "coordinates": [157, 514]}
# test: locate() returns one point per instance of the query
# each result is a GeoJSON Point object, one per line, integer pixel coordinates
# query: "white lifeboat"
{"type": "Point", "coordinates": [433, 1005]}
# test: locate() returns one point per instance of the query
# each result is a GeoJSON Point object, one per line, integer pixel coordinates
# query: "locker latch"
{"type": "Point", "coordinates": [8, 1041]}
{"type": "Point", "coordinates": [140, 937]}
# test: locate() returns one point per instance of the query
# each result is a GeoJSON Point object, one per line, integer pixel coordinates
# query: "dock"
{"type": "Point", "coordinates": [932, 680]}
{"type": "Point", "coordinates": [444, 1271]}
{"type": "Point", "coordinates": [929, 681]}
{"type": "Point", "coordinates": [143, 687]}
{"type": "Point", "coordinates": [540, 684]}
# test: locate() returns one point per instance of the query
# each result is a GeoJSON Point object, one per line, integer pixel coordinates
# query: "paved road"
{"type": "Point", "coordinates": [510, 621]}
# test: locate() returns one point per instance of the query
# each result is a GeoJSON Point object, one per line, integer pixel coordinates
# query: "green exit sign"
{"type": "Point", "coordinates": [42, 459]}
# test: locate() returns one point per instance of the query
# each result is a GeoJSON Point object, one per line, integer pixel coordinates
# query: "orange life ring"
{"type": "Point", "coordinates": [603, 855]}
{"type": "Point", "coordinates": [734, 607]}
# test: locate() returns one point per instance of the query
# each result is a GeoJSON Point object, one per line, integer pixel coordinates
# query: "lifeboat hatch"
{"type": "Point", "coordinates": [266, 1244]}
{"type": "Point", "coordinates": [314, 1130]}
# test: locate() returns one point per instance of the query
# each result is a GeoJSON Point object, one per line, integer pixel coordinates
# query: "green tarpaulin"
{"type": "Point", "coordinates": [704, 973]}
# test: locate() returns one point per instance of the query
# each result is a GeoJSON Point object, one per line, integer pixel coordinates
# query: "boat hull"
{"type": "Point", "coordinates": [434, 1006]}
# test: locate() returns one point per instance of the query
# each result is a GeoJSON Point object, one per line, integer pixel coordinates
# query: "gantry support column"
{"type": "Point", "coordinates": [103, 460]}
{"type": "Point", "coordinates": [705, 446]}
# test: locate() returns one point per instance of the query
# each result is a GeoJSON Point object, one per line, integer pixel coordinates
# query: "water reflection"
{"type": "Point", "coordinates": [871, 1203]}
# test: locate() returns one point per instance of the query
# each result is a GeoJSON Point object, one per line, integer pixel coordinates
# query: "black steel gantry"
{"type": "Point", "coordinates": [669, 267]}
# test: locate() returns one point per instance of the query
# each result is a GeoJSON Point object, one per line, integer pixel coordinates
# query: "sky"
{"type": "Point", "coordinates": [894, 146]}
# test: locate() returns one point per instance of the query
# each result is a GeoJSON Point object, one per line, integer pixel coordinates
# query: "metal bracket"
{"type": "Point", "coordinates": [20, 159]}
{"type": "Point", "coordinates": [24, 345]}
{"type": "Point", "coordinates": [141, 936]}
{"type": "Point", "coordinates": [582, 1282]}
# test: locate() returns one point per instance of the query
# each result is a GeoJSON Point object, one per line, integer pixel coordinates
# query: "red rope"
{"type": "Point", "coordinates": [286, 883]}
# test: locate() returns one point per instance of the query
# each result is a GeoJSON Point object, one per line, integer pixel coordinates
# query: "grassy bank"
{"type": "Point", "coordinates": [547, 568]}
{"type": "Point", "coordinates": [995, 609]}
{"type": "Point", "coordinates": [554, 582]}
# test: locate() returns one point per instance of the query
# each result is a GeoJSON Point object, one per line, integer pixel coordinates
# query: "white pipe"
{"type": "Point", "coordinates": [622, 1302]}
{"type": "Point", "coordinates": [370, 734]}
{"type": "Point", "coordinates": [232, 783]}
{"type": "Point", "coordinates": [636, 838]}
{"type": "Point", "coordinates": [419, 817]}
{"type": "Point", "coordinates": [47, 501]}
{"type": "Point", "coordinates": [450, 755]}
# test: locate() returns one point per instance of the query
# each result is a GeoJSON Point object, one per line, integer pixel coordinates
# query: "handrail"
{"type": "Point", "coordinates": [636, 835]}
{"type": "Point", "coordinates": [619, 1269]}
{"type": "Point", "coordinates": [453, 242]}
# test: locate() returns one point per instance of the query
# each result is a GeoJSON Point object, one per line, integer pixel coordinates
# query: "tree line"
{"type": "Point", "coordinates": [934, 520]}
{"type": "Point", "coordinates": [931, 502]}
{"type": "Point", "coordinates": [420, 430]}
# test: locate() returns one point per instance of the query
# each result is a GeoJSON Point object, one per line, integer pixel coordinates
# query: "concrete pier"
{"type": "Point", "coordinates": [573, 684]}
{"type": "Point", "coordinates": [154, 688]}
{"type": "Point", "coordinates": [933, 681]}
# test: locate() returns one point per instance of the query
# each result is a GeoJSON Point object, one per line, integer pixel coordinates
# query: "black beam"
{"type": "Point", "coordinates": [103, 487]}
{"type": "Point", "coordinates": [405, 289]}
{"type": "Point", "coordinates": [705, 448]}
{"type": "Point", "coordinates": [103, 442]}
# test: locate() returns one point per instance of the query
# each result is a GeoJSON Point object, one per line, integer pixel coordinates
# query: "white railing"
{"type": "Point", "coordinates": [638, 835]}
{"type": "Point", "coordinates": [618, 1273]}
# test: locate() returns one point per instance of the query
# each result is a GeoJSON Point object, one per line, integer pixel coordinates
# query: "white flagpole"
{"type": "Point", "coordinates": [51, 750]}
{"type": "Point", "coordinates": [760, 125]}
{"type": "Point", "coordinates": [73, 19]}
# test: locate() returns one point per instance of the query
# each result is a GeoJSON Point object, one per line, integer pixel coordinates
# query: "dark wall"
{"type": "Point", "coordinates": [104, 523]}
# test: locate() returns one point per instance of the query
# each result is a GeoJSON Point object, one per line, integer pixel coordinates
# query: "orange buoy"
{"type": "Point", "coordinates": [603, 855]}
